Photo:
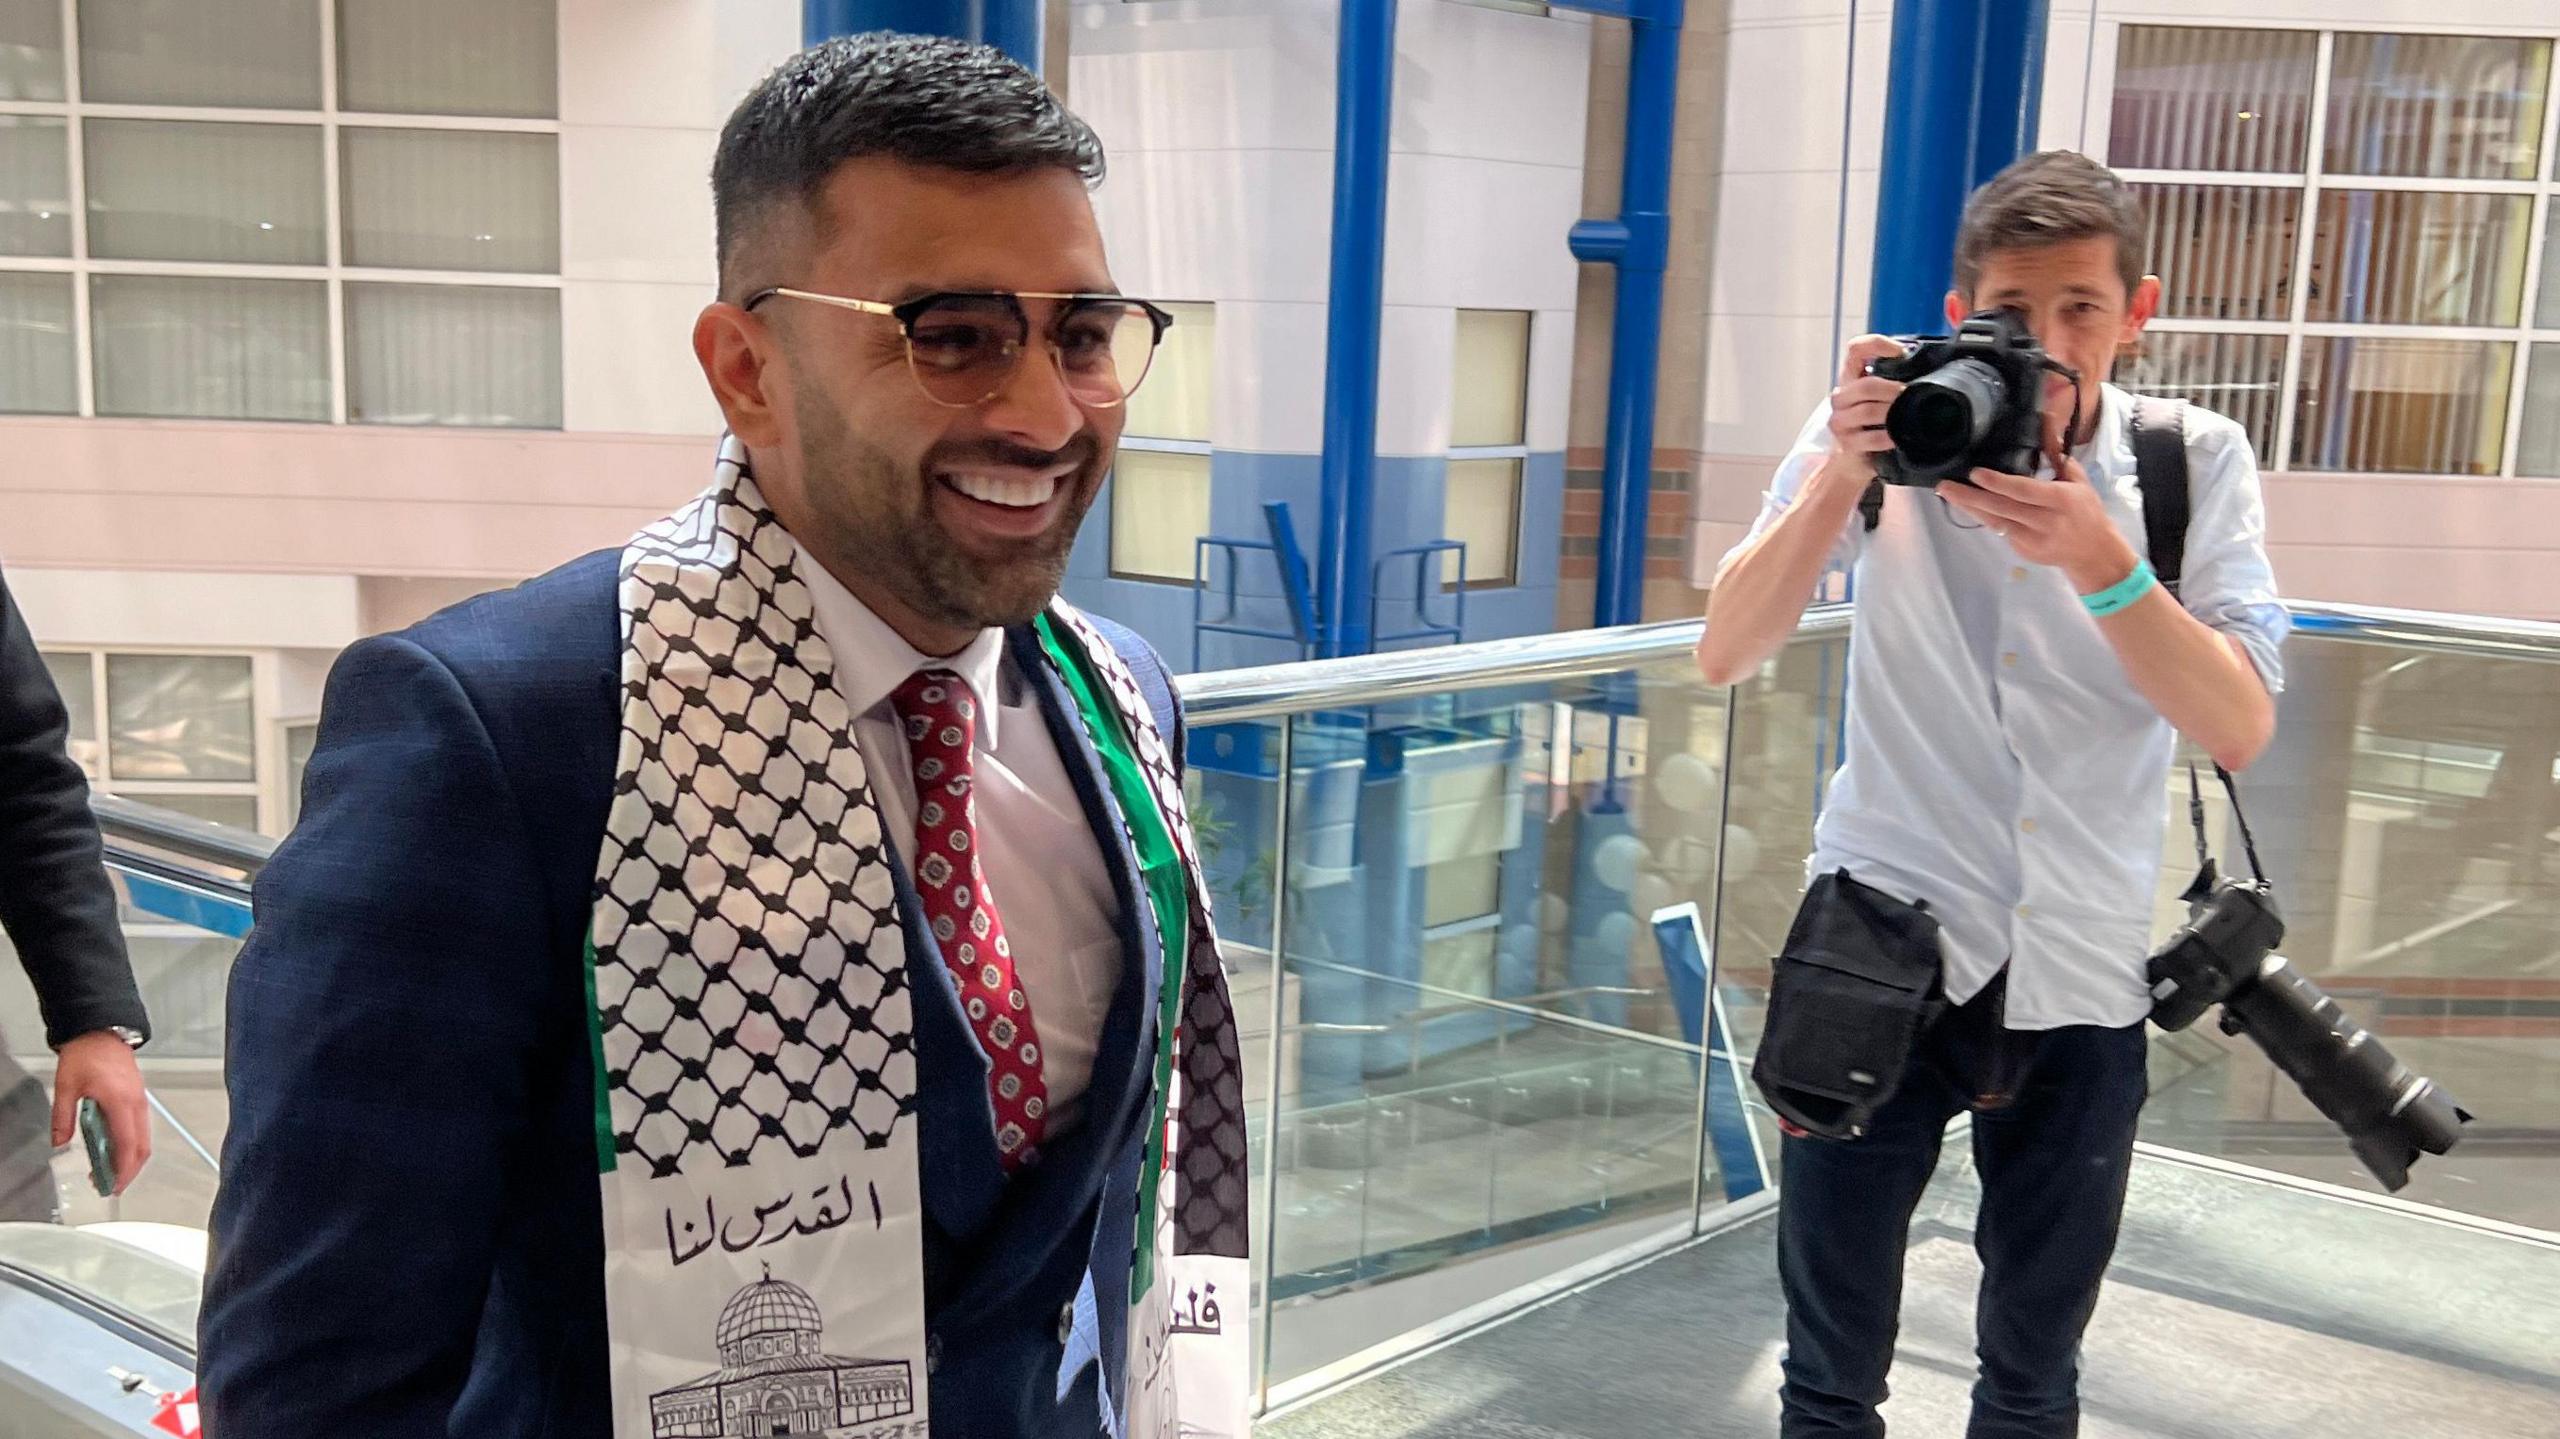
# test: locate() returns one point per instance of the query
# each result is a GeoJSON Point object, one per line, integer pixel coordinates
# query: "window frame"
{"type": "Point", "coordinates": [101, 775]}
{"type": "Point", "coordinates": [2297, 329]}
{"type": "Point", "coordinates": [333, 271]}
{"type": "Point", "coordinates": [1517, 453]}
{"type": "Point", "coordinates": [1205, 450]}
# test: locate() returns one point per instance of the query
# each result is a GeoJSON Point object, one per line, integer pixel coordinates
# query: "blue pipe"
{"type": "Point", "coordinates": [1965, 94]}
{"type": "Point", "coordinates": [1012, 26]}
{"type": "Point", "coordinates": [1638, 242]}
{"type": "Point", "coordinates": [1364, 93]}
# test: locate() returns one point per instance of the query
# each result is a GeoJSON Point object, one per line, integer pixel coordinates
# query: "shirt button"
{"type": "Point", "coordinates": [2025, 912]}
{"type": "Point", "coordinates": [2026, 826]}
{"type": "Point", "coordinates": [2017, 573]}
{"type": "Point", "coordinates": [1066, 1324]}
{"type": "Point", "coordinates": [2010, 659]}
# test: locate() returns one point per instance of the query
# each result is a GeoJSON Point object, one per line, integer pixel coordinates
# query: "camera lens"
{"type": "Point", "coordinates": [1942, 416]}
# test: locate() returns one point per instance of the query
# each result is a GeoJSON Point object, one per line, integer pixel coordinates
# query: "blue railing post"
{"type": "Point", "coordinates": [1638, 242]}
{"type": "Point", "coordinates": [1965, 92]}
{"type": "Point", "coordinates": [1364, 93]}
{"type": "Point", "coordinates": [1012, 26]}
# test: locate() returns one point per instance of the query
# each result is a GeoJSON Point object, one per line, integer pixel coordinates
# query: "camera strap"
{"type": "Point", "coordinates": [2205, 874]}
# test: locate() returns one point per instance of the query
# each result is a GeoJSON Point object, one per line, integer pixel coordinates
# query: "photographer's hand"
{"type": "Point", "coordinates": [2201, 681]}
{"type": "Point", "coordinates": [2059, 522]}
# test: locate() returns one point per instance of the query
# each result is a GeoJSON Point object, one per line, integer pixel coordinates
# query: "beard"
{"type": "Point", "coordinates": [875, 520]}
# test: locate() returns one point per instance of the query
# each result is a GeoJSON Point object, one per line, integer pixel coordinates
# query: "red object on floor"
{"type": "Point", "coordinates": [178, 1414]}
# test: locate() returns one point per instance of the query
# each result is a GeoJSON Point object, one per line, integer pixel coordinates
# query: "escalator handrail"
{"type": "Point", "coordinates": [130, 826]}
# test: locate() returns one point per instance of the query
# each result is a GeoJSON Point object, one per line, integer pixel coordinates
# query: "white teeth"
{"type": "Point", "coordinates": [1019, 492]}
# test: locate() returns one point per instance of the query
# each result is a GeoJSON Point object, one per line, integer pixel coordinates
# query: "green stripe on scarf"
{"type": "Point", "coordinates": [1168, 894]}
{"type": "Point", "coordinates": [595, 1057]}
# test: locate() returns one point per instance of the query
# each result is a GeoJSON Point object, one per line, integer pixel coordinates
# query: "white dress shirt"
{"type": "Point", "coordinates": [2001, 765]}
{"type": "Point", "coordinates": [1044, 869]}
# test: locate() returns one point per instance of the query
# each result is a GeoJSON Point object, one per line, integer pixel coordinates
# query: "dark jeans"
{"type": "Point", "coordinates": [2054, 1114]}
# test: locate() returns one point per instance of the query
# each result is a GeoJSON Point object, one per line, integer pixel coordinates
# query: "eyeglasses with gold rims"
{"type": "Point", "coordinates": [963, 345]}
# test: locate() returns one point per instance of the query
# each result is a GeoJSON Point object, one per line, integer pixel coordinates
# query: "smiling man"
{"type": "Point", "coordinates": [2015, 678]}
{"type": "Point", "coordinates": [757, 979]}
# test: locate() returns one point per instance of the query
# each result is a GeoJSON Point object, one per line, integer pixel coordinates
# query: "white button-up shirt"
{"type": "Point", "coordinates": [1044, 869]}
{"type": "Point", "coordinates": [2001, 765]}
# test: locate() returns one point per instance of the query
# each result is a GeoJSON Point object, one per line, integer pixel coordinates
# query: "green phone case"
{"type": "Point", "coordinates": [102, 1154]}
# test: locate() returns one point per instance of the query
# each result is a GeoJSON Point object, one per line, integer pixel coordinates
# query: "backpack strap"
{"type": "Point", "coordinates": [2160, 468]}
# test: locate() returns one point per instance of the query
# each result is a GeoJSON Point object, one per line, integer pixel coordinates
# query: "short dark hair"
{"type": "Point", "coordinates": [922, 99]}
{"type": "Point", "coordinates": [2049, 198]}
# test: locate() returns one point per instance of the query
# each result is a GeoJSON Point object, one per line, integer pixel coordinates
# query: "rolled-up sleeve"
{"type": "Point", "coordinates": [2229, 584]}
{"type": "Point", "coordinates": [1803, 458]}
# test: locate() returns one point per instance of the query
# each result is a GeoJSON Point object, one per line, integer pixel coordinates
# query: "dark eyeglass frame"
{"type": "Point", "coordinates": [907, 312]}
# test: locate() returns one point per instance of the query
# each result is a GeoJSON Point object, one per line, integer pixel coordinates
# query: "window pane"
{"type": "Point", "coordinates": [2405, 258]}
{"type": "Point", "coordinates": [2241, 376]}
{"type": "Point", "coordinates": [1173, 403]}
{"type": "Point", "coordinates": [1159, 510]}
{"type": "Point", "coordinates": [454, 57]}
{"type": "Point", "coordinates": [2457, 106]}
{"type": "Point", "coordinates": [31, 50]}
{"type": "Point", "coordinates": [453, 355]}
{"type": "Point", "coordinates": [2402, 406]}
{"type": "Point", "coordinates": [240, 811]}
{"type": "Point", "coordinates": [35, 185]}
{"type": "Point", "coordinates": [263, 53]}
{"type": "Point", "coordinates": [197, 190]}
{"type": "Point", "coordinates": [221, 349]}
{"type": "Point", "coordinates": [179, 717]}
{"type": "Point", "coordinates": [2548, 306]}
{"type": "Point", "coordinates": [299, 741]}
{"type": "Point", "coordinates": [1483, 510]}
{"type": "Point", "coordinates": [2213, 99]}
{"type": "Point", "coordinates": [38, 354]}
{"type": "Point", "coordinates": [2538, 452]}
{"type": "Point", "coordinates": [2222, 252]}
{"type": "Point", "coordinates": [1455, 890]}
{"type": "Point", "coordinates": [70, 670]}
{"type": "Point", "coordinates": [452, 200]}
{"type": "Point", "coordinates": [1490, 402]}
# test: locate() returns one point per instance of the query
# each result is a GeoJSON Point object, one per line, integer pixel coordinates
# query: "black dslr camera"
{"type": "Point", "coordinates": [1974, 400]}
{"type": "Point", "coordinates": [2224, 955]}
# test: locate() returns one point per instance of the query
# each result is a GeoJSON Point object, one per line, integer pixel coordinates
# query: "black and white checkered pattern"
{"type": "Point", "coordinates": [750, 967]}
{"type": "Point", "coordinates": [1208, 1213]}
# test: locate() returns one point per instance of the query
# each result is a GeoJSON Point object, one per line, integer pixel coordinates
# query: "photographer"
{"type": "Point", "coordinates": [2015, 678]}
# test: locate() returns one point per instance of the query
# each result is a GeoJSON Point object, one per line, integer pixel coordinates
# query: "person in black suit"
{"type": "Point", "coordinates": [60, 911]}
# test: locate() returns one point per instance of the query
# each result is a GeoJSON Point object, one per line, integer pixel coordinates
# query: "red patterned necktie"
{"type": "Point", "coordinates": [941, 716]}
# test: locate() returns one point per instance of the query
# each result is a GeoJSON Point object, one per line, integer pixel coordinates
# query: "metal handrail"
{"type": "Point", "coordinates": [128, 824]}
{"type": "Point", "coordinates": [1264, 691]}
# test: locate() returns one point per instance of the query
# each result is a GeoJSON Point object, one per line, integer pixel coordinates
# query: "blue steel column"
{"type": "Point", "coordinates": [1967, 83]}
{"type": "Point", "coordinates": [1637, 242]}
{"type": "Point", "coordinates": [1364, 92]}
{"type": "Point", "coordinates": [1012, 26]}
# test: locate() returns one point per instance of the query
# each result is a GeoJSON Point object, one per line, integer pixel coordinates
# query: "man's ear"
{"type": "Point", "coordinates": [2145, 304]}
{"type": "Point", "coordinates": [1957, 309]}
{"type": "Point", "coordinates": [740, 360]}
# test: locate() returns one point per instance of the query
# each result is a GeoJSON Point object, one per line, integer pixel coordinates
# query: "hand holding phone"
{"type": "Point", "coordinates": [102, 1153]}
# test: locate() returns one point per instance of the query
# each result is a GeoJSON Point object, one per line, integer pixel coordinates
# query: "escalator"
{"type": "Point", "coordinates": [97, 1330]}
{"type": "Point", "coordinates": [98, 1309]}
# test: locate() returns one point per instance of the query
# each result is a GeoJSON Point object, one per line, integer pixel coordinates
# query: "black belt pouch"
{"type": "Point", "coordinates": [1848, 1000]}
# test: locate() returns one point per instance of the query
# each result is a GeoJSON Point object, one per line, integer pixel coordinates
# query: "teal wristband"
{"type": "Point", "coordinates": [2122, 593]}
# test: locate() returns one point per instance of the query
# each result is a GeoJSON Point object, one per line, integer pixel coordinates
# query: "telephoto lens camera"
{"type": "Point", "coordinates": [2224, 955]}
{"type": "Point", "coordinates": [1971, 400]}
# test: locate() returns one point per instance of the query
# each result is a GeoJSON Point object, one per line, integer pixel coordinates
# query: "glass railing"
{"type": "Point", "coordinates": [1487, 1061]}
{"type": "Point", "coordinates": [1499, 920]}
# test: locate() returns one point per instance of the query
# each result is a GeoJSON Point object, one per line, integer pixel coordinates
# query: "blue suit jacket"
{"type": "Point", "coordinates": [408, 1241]}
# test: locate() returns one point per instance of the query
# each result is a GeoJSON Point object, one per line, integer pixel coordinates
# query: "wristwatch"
{"type": "Point", "coordinates": [131, 1036]}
